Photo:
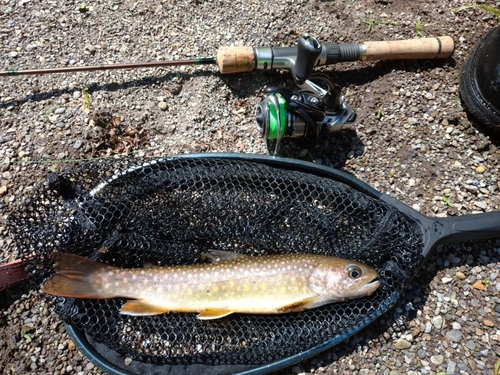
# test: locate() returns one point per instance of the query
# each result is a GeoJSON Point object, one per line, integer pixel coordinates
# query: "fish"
{"type": "Point", "coordinates": [230, 283]}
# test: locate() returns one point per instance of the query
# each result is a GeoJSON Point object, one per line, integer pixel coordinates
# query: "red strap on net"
{"type": "Point", "coordinates": [12, 274]}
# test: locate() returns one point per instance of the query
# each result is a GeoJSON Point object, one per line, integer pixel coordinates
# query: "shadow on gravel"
{"type": "Point", "coordinates": [494, 136]}
{"type": "Point", "coordinates": [41, 95]}
{"type": "Point", "coordinates": [12, 294]}
{"type": "Point", "coordinates": [366, 74]}
{"type": "Point", "coordinates": [332, 150]}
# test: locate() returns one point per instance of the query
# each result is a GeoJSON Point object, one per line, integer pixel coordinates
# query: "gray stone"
{"type": "Point", "coordinates": [422, 354]}
{"type": "Point", "coordinates": [470, 344]}
{"type": "Point", "coordinates": [454, 335]}
{"type": "Point", "coordinates": [437, 321]}
{"type": "Point", "coordinates": [451, 368]}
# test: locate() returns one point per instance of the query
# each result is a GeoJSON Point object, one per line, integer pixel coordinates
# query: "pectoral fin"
{"type": "Point", "coordinates": [220, 255]}
{"type": "Point", "coordinates": [209, 314]}
{"type": "Point", "coordinates": [138, 307]}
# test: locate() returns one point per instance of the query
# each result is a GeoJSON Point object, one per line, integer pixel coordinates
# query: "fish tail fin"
{"type": "Point", "coordinates": [73, 277]}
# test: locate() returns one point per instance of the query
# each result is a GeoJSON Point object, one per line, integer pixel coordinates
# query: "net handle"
{"type": "Point", "coordinates": [437, 231]}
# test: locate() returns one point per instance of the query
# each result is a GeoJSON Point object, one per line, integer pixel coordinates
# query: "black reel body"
{"type": "Point", "coordinates": [313, 110]}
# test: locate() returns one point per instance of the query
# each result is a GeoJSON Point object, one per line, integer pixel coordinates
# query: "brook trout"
{"type": "Point", "coordinates": [231, 283]}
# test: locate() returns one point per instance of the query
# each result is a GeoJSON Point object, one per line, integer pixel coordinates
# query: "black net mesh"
{"type": "Point", "coordinates": [169, 211]}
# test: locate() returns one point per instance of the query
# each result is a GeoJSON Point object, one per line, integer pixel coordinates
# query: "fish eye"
{"type": "Point", "coordinates": [354, 272]}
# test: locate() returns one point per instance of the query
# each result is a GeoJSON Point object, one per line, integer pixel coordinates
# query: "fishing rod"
{"type": "Point", "coordinates": [318, 106]}
{"type": "Point", "coordinates": [239, 59]}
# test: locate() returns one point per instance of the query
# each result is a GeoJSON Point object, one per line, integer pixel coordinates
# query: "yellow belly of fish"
{"type": "Point", "coordinates": [262, 295]}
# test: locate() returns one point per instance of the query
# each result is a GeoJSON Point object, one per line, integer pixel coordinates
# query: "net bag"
{"type": "Point", "coordinates": [169, 211]}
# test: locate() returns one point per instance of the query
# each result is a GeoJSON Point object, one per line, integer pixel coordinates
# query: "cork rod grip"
{"type": "Point", "coordinates": [237, 59]}
{"type": "Point", "coordinates": [428, 48]}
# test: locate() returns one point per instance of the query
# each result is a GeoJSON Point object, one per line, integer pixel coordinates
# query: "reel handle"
{"type": "Point", "coordinates": [308, 51]}
{"type": "Point", "coordinates": [239, 59]}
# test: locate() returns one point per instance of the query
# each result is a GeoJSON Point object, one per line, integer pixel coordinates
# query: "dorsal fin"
{"type": "Point", "coordinates": [221, 255]}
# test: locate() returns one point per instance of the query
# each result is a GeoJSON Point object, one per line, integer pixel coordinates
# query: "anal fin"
{"type": "Point", "coordinates": [209, 314]}
{"type": "Point", "coordinates": [305, 304]}
{"type": "Point", "coordinates": [139, 307]}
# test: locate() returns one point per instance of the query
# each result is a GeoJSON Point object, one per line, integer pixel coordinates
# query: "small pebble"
{"type": "Point", "coordinates": [421, 353]}
{"type": "Point", "coordinates": [460, 275]}
{"type": "Point", "coordinates": [481, 169]}
{"type": "Point", "coordinates": [451, 368]}
{"type": "Point", "coordinates": [90, 366]}
{"type": "Point", "coordinates": [437, 359]}
{"type": "Point", "coordinates": [402, 344]}
{"type": "Point", "coordinates": [478, 285]}
{"type": "Point", "coordinates": [163, 106]}
{"type": "Point", "coordinates": [127, 361]}
{"type": "Point", "coordinates": [446, 280]}
{"type": "Point", "coordinates": [488, 323]}
{"type": "Point", "coordinates": [470, 344]}
{"type": "Point", "coordinates": [437, 321]}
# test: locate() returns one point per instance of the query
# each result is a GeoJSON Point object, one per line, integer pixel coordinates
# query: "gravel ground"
{"type": "Point", "coordinates": [412, 140]}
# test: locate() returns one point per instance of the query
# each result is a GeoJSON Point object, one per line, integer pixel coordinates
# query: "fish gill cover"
{"type": "Point", "coordinates": [169, 211]}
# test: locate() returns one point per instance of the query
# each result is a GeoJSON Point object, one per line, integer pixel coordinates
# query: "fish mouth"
{"type": "Point", "coordinates": [369, 288]}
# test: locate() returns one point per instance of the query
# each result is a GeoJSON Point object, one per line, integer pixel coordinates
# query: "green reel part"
{"type": "Point", "coordinates": [271, 116]}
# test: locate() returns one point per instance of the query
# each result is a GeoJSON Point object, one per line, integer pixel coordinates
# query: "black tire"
{"type": "Point", "coordinates": [472, 96]}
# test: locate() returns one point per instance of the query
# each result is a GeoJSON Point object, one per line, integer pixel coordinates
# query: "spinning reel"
{"type": "Point", "coordinates": [314, 109]}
